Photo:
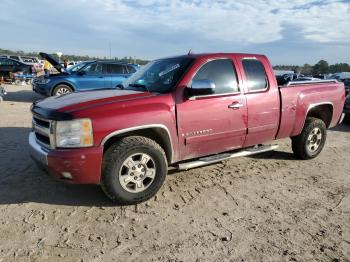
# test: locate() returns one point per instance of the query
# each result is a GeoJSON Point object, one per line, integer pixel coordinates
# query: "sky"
{"type": "Point", "coordinates": [288, 32]}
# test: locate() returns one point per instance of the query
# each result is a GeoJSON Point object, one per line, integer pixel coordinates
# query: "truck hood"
{"type": "Point", "coordinates": [61, 106]}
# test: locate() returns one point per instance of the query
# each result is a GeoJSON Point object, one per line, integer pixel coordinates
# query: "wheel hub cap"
{"type": "Point", "coordinates": [137, 172]}
{"type": "Point", "coordinates": [62, 91]}
{"type": "Point", "coordinates": [314, 139]}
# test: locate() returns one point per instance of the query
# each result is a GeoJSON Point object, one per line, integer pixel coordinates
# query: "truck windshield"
{"type": "Point", "coordinates": [158, 76]}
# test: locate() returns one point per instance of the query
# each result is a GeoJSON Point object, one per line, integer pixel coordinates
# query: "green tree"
{"type": "Point", "coordinates": [339, 67]}
{"type": "Point", "coordinates": [321, 67]}
{"type": "Point", "coordinates": [306, 69]}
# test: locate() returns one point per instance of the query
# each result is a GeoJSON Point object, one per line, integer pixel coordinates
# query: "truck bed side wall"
{"type": "Point", "coordinates": [299, 99]}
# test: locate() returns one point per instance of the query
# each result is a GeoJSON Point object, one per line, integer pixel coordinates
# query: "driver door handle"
{"type": "Point", "coordinates": [235, 105]}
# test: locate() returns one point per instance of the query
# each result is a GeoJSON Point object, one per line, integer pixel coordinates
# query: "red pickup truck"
{"type": "Point", "coordinates": [185, 112]}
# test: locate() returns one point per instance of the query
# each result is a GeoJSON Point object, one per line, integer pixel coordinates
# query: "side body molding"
{"type": "Point", "coordinates": [130, 129]}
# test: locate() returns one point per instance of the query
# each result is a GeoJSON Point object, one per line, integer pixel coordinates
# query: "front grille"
{"type": "Point", "coordinates": [41, 122]}
{"type": "Point", "coordinates": [43, 139]}
{"type": "Point", "coordinates": [41, 128]}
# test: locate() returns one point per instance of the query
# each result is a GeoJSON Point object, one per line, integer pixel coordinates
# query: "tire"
{"type": "Point", "coordinates": [62, 90]}
{"type": "Point", "coordinates": [126, 160]}
{"type": "Point", "coordinates": [310, 142]}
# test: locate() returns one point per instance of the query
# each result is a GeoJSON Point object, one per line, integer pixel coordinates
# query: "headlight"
{"type": "Point", "coordinates": [74, 133]}
{"type": "Point", "coordinates": [44, 81]}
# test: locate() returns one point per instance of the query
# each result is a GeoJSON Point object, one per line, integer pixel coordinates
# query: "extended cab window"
{"type": "Point", "coordinates": [222, 73]}
{"type": "Point", "coordinates": [255, 74]}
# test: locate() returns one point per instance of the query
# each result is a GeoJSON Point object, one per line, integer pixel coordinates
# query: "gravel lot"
{"type": "Point", "coordinates": [270, 207]}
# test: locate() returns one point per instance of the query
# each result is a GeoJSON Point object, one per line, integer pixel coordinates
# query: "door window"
{"type": "Point", "coordinates": [255, 74]}
{"type": "Point", "coordinates": [93, 69]}
{"type": "Point", "coordinates": [222, 73]}
{"type": "Point", "coordinates": [116, 69]}
{"type": "Point", "coordinates": [131, 70]}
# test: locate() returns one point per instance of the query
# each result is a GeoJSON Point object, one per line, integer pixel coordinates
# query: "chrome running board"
{"type": "Point", "coordinates": [225, 156]}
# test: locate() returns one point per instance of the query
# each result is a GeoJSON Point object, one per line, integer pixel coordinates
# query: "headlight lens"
{"type": "Point", "coordinates": [44, 80]}
{"type": "Point", "coordinates": [74, 133]}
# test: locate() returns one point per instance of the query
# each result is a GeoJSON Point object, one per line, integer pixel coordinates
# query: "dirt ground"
{"type": "Point", "coordinates": [270, 207]}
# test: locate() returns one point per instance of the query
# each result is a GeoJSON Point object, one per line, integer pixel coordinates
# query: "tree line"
{"type": "Point", "coordinates": [75, 57]}
{"type": "Point", "coordinates": [322, 67]}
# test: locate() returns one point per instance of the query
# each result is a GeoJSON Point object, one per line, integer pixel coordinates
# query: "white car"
{"type": "Point", "coordinates": [33, 61]}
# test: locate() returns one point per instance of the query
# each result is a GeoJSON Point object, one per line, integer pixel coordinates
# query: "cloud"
{"type": "Point", "coordinates": [153, 28]}
{"type": "Point", "coordinates": [255, 22]}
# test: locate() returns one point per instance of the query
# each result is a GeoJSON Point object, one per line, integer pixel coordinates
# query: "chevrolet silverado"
{"type": "Point", "coordinates": [184, 112]}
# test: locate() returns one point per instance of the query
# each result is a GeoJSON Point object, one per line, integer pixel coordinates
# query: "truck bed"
{"type": "Point", "coordinates": [298, 98]}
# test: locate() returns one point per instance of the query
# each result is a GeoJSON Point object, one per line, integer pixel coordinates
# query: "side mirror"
{"type": "Point", "coordinates": [202, 87]}
{"type": "Point", "coordinates": [81, 72]}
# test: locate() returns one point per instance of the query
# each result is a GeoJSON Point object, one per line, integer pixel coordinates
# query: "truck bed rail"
{"type": "Point", "coordinates": [321, 81]}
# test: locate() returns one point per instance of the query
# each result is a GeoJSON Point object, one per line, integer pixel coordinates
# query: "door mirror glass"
{"type": "Point", "coordinates": [202, 87]}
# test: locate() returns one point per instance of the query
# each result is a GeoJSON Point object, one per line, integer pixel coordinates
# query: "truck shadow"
{"type": "Point", "coordinates": [21, 181]}
{"type": "Point", "coordinates": [24, 96]}
{"type": "Point", "coordinates": [344, 127]}
{"type": "Point", "coordinates": [276, 155]}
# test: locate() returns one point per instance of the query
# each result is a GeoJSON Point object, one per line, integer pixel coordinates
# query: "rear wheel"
{"type": "Point", "coordinates": [61, 90]}
{"type": "Point", "coordinates": [133, 170]}
{"type": "Point", "coordinates": [311, 141]}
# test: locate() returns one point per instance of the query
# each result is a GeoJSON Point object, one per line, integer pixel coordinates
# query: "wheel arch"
{"type": "Point", "coordinates": [159, 133]}
{"type": "Point", "coordinates": [323, 111]}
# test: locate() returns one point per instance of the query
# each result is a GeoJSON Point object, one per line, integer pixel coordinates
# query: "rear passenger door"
{"type": "Point", "coordinates": [117, 74]}
{"type": "Point", "coordinates": [263, 99]}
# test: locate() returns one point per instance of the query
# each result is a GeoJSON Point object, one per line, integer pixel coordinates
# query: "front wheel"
{"type": "Point", "coordinates": [62, 90]}
{"type": "Point", "coordinates": [311, 141]}
{"type": "Point", "coordinates": [133, 170]}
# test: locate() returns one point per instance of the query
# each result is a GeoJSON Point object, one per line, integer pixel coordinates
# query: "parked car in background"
{"type": "Point", "coordinates": [285, 78]}
{"type": "Point", "coordinates": [185, 111]}
{"type": "Point", "coordinates": [340, 75]}
{"type": "Point", "coordinates": [88, 75]}
{"type": "Point", "coordinates": [72, 63]}
{"type": "Point", "coordinates": [346, 82]}
{"type": "Point", "coordinates": [32, 61]}
{"type": "Point", "coordinates": [9, 65]}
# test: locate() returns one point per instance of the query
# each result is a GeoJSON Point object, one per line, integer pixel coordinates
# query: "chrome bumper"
{"type": "Point", "coordinates": [36, 151]}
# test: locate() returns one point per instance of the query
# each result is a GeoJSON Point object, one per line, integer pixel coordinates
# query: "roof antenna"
{"type": "Point", "coordinates": [189, 52]}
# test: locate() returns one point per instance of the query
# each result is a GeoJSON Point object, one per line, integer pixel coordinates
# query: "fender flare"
{"type": "Point", "coordinates": [142, 127]}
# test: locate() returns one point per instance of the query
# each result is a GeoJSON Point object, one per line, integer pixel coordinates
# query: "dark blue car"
{"type": "Point", "coordinates": [89, 75]}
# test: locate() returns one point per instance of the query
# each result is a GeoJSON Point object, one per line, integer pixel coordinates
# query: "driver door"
{"type": "Point", "coordinates": [91, 78]}
{"type": "Point", "coordinates": [211, 124]}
